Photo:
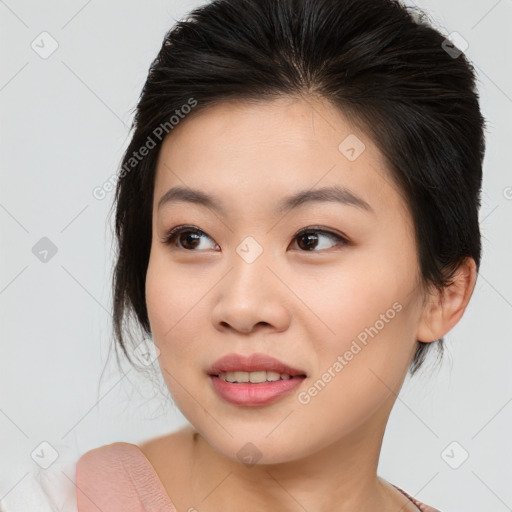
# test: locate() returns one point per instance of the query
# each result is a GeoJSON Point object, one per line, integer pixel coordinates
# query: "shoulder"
{"type": "Point", "coordinates": [132, 478]}
{"type": "Point", "coordinates": [421, 506]}
{"type": "Point", "coordinates": [105, 459]}
{"type": "Point", "coordinates": [103, 478]}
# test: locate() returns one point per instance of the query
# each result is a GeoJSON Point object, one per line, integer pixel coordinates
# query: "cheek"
{"type": "Point", "coordinates": [367, 308]}
{"type": "Point", "coordinates": [169, 301]}
{"type": "Point", "coordinates": [177, 312]}
{"type": "Point", "coordinates": [169, 296]}
{"type": "Point", "coordinates": [362, 365]}
{"type": "Point", "coordinates": [349, 299]}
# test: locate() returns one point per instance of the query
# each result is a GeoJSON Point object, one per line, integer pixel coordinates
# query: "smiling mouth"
{"type": "Point", "coordinates": [255, 377]}
{"type": "Point", "coordinates": [255, 380]}
{"type": "Point", "coordinates": [255, 388]}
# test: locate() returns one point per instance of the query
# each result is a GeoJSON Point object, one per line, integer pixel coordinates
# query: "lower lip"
{"type": "Point", "coordinates": [254, 394]}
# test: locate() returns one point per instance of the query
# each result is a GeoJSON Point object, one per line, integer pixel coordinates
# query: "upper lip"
{"type": "Point", "coordinates": [254, 362]}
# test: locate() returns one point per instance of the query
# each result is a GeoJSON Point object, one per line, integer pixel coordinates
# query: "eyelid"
{"type": "Point", "coordinates": [321, 229]}
{"type": "Point", "coordinates": [167, 238]}
{"type": "Point", "coordinates": [171, 234]}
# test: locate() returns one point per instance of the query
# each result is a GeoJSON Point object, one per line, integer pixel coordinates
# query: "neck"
{"type": "Point", "coordinates": [341, 477]}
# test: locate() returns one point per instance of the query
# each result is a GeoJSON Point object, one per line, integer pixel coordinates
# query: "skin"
{"type": "Point", "coordinates": [304, 307]}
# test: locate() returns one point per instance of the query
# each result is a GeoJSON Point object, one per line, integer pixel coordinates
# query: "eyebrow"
{"type": "Point", "coordinates": [331, 194]}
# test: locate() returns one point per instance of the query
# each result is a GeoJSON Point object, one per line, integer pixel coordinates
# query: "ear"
{"type": "Point", "coordinates": [443, 310]}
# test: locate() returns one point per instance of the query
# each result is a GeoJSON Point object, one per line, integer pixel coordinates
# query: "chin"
{"type": "Point", "coordinates": [254, 446]}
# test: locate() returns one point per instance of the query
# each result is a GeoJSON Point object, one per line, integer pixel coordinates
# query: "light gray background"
{"type": "Point", "coordinates": [64, 126]}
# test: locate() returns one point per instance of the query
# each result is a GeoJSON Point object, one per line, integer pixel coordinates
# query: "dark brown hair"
{"type": "Point", "coordinates": [381, 63]}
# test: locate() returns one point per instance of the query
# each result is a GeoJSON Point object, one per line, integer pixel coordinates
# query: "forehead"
{"type": "Point", "coordinates": [259, 152]}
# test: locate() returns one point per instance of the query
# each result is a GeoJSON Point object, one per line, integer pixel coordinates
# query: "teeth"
{"type": "Point", "coordinates": [253, 377]}
{"type": "Point", "coordinates": [257, 377]}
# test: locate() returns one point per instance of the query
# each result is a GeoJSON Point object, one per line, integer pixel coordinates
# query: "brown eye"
{"type": "Point", "coordinates": [189, 239]}
{"type": "Point", "coordinates": [186, 237]}
{"type": "Point", "coordinates": [310, 239]}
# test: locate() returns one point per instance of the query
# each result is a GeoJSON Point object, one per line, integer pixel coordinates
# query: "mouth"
{"type": "Point", "coordinates": [257, 377]}
{"type": "Point", "coordinates": [253, 381]}
{"type": "Point", "coordinates": [256, 365]}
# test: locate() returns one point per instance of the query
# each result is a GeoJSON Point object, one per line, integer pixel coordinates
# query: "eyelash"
{"type": "Point", "coordinates": [173, 233]}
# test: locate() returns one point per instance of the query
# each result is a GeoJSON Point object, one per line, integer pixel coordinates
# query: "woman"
{"type": "Point", "coordinates": [297, 220]}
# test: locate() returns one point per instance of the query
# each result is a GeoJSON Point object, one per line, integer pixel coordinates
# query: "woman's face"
{"type": "Point", "coordinates": [345, 312]}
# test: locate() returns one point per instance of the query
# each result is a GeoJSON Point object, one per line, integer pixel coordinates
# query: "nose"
{"type": "Point", "coordinates": [251, 298]}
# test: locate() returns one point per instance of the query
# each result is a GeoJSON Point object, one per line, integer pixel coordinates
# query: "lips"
{"type": "Point", "coordinates": [253, 394]}
{"type": "Point", "coordinates": [253, 363]}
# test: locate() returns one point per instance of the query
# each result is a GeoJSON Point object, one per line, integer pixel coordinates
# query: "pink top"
{"type": "Point", "coordinates": [119, 477]}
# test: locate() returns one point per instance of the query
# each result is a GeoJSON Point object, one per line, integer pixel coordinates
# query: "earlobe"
{"type": "Point", "coordinates": [444, 309]}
